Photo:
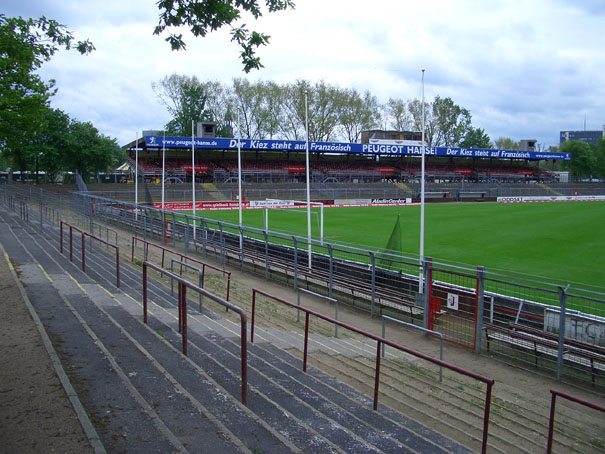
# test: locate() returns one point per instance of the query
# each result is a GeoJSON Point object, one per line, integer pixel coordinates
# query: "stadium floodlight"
{"type": "Point", "coordinates": [308, 178]}
{"type": "Point", "coordinates": [193, 172]}
{"type": "Point", "coordinates": [163, 167]}
{"type": "Point", "coordinates": [136, 176]}
{"type": "Point", "coordinates": [239, 178]}
{"type": "Point", "coordinates": [421, 277]}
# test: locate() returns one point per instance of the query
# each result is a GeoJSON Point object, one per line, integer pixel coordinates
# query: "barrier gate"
{"type": "Point", "coordinates": [453, 306]}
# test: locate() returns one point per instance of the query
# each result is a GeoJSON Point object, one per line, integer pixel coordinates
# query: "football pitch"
{"type": "Point", "coordinates": [562, 241]}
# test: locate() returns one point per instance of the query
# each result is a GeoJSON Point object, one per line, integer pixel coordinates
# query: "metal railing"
{"type": "Point", "coordinates": [379, 341]}
{"type": "Point", "coordinates": [182, 310]}
{"type": "Point", "coordinates": [551, 422]}
{"type": "Point", "coordinates": [183, 258]}
{"type": "Point", "coordinates": [83, 247]}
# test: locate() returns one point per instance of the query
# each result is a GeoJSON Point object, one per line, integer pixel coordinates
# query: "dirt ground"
{"type": "Point", "coordinates": [37, 417]}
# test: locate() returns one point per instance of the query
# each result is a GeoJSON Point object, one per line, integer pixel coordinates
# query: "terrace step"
{"type": "Point", "coordinates": [286, 412]}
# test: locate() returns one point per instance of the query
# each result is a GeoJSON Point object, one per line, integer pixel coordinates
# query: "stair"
{"type": "Point", "coordinates": [143, 395]}
{"type": "Point", "coordinates": [408, 192]}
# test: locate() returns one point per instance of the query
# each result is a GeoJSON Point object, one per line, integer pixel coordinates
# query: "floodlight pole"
{"type": "Point", "coordinates": [308, 178]}
{"type": "Point", "coordinates": [136, 176]}
{"type": "Point", "coordinates": [239, 178]}
{"type": "Point", "coordinates": [193, 172]}
{"type": "Point", "coordinates": [163, 169]}
{"type": "Point", "coordinates": [421, 276]}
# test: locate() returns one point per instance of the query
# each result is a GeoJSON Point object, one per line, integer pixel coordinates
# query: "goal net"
{"type": "Point", "coordinates": [296, 206]}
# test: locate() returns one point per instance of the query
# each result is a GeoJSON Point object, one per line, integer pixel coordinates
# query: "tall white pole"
{"type": "Point", "coordinates": [421, 279]}
{"type": "Point", "coordinates": [163, 167]}
{"type": "Point", "coordinates": [239, 176]}
{"type": "Point", "coordinates": [136, 176]}
{"type": "Point", "coordinates": [308, 176]}
{"type": "Point", "coordinates": [193, 172]}
{"type": "Point", "coordinates": [163, 178]}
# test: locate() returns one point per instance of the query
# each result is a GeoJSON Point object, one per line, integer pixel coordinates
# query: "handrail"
{"type": "Point", "coordinates": [551, 420]}
{"type": "Point", "coordinates": [379, 340]}
{"type": "Point", "coordinates": [84, 235]}
{"type": "Point", "coordinates": [184, 258]}
{"type": "Point", "coordinates": [182, 306]}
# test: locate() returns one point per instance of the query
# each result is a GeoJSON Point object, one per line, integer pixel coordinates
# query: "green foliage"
{"type": "Point", "coordinates": [185, 98]}
{"type": "Point", "coordinates": [25, 44]}
{"type": "Point", "coordinates": [599, 154]}
{"type": "Point", "coordinates": [506, 143]}
{"type": "Point", "coordinates": [452, 122]}
{"type": "Point", "coordinates": [476, 138]}
{"type": "Point", "coordinates": [204, 17]}
{"type": "Point", "coordinates": [583, 160]}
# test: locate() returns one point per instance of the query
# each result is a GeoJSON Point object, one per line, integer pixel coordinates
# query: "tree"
{"type": "Point", "coordinates": [88, 151]}
{"type": "Point", "coordinates": [430, 123]}
{"type": "Point", "coordinates": [400, 118]}
{"type": "Point", "coordinates": [185, 98]}
{"type": "Point", "coordinates": [506, 143]}
{"type": "Point", "coordinates": [204, 17]}
{"type": "Point", "coordinates": [357, 113]}
{"type": "Point", "coordinates": [50, 144]}
{"type": "Point", "coordinates": [582, 158]}
{"type": "Point", "coordinates": [25, 44]}
{"type": "Point", "coordinates": [476, 138]}
{"type": "Point", "coordinates": [452, 122]}
{"type": "Point", "coordinates": [599, 152]}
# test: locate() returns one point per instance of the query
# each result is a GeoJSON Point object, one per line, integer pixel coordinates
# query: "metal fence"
{"type": "Point", "coordinates": [557, 327]}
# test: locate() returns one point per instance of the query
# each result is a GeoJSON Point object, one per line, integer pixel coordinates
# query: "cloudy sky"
{"type": "Point", "coordinates": [525, 70]}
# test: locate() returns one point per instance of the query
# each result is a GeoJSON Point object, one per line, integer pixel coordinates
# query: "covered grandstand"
{"type": "Point", "coordinates": [273, 161]}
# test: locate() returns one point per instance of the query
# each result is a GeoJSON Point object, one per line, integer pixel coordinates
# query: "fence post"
{"type": "Point", "coordinates": [294, 242]}
{"type": "Point", "coordinates": [145, 292]}
{"type": "Point", "coordinates": [427, 271]}
{"type": "Point", "coordinates": [266, 235]}
{"type": "Point", "coordinates": [480, 307]}
{"type": "Point", "coordinates": [173, 230]}
{"type": "Point", "coordinates": [373, 264]}
{"type": "Point", "coordinates": [563, 303]}
{"type": "Point", "coordinates": [241, 247]}
{"type": "Point", "coordinates": [331, 267]}
{"type": "Point", "coordinates": [83, 253]}
{"type": "Point", "coordinates": [186, 235]}
{"type": "Point", "coordinates": [204, 237]}
{"type": "Point", "coordinates": [222, 242]}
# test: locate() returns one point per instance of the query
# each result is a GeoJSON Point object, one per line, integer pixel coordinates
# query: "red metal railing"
{"type": "Point", "coordinates": [84, 235]}
{"type": "Point", "coordinates": [551, 421]}
{"type": "Point", "coordinates": [379, 341]}
{"type": "Point", "coordinates": [184, 258]}
{"type": "Point", "coordinates": [182, 311]}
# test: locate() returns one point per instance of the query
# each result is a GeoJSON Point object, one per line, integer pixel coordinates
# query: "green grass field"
{"type": "Point", "coordinates": [563, 241]}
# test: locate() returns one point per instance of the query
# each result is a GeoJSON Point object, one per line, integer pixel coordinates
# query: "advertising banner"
{"type": "Point", "coordinates": [358, 148]}
{"type": "Point", "coordinates": [554, 198]}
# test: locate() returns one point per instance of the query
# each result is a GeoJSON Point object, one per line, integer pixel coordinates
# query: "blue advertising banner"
{"type": "Point", "coordinates": [358, 148]}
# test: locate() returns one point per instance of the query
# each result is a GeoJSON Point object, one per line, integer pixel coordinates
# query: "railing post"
{"type": "Point", "coordinates": [180, 310]}
{"type": "Point", "coordinates": [117, 267]}
{"type": "Point", "coordinates": [306, 342]}
{"type": "Point", "coordinates": [61, 237]}
{"type": "Point", "coordinates": [144, 292]}
{"type": "Point", "coordinates": [488, 402]}
{"type": "Point", "coordinates": [377, 375]}
{"type": "Point", "coordinates": [83, 253]}
{"type": "Point", "coordinates": [184, 311]}
{"type": "Point", "coordinates": [71, 244]}
{"type": "Point", "coordinates": [551, 422]}
{"type": "Point", "coordinates": [244, 353]}
{"type": "Point", "coordinates": [252, 316]}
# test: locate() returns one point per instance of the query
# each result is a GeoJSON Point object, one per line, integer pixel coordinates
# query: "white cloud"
{"type": "Point", "coordinates": [523, 71]}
